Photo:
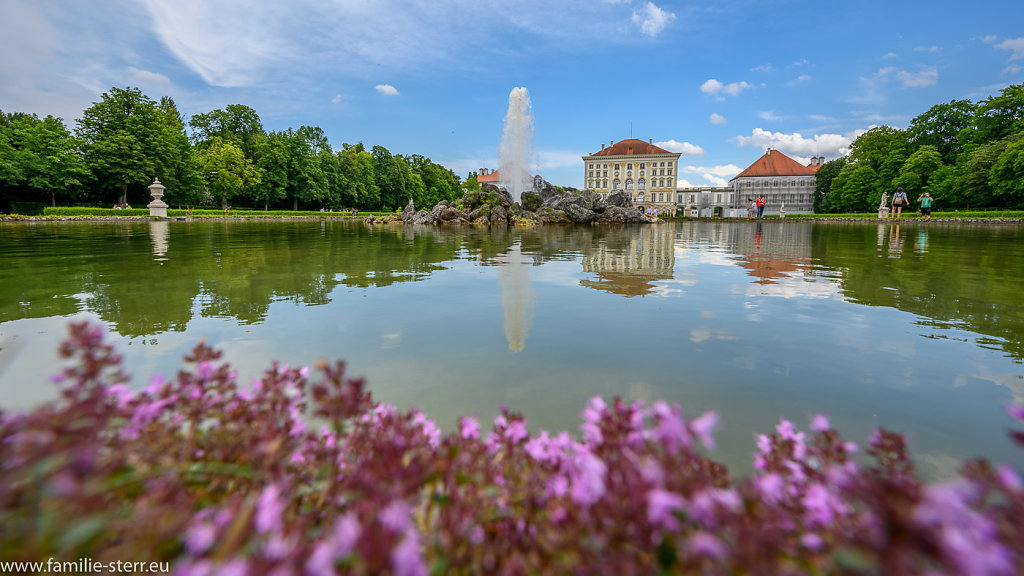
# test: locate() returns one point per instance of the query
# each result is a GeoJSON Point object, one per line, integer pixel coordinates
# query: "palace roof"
{"type": "Point", "coordinates": [631, 146]}
{"type": "Point", "coordinates": [775, 163]}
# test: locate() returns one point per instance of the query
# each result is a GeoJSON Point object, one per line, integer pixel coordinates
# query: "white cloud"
{"type": "Point", "coordinates": [888, 55]}
{"type": "Point", "coordinates": [720, 170]}
{"type": "Point", "coordinates": [797, 146]}
{"type": "Point", "coordinates": [716, 87]}
{"type": "Point", "coordinates": [799, 79]}
{"type": "Point", "coordinates": [716, 119]}
{"type": "Point", "coordinates": [1015, 45]}
{"type": "Point", "coordinates": [712, 175]}
{"type": "Point", "coordinates": [1011, 70]}
{"type": "Point", "coordinates": [386, 89]}
{"type": "Point", "coordinates": [652, 20]}
{"type": "Point", "coordinates": [769, 115]}
{"type": "Point", "coordinates": [800, 62]}
{"type": "Point", "coordinates": [337, 99]}
{"type": "Point", "coordinates": [925, 76]}
{"type": "Point", "coordinates": [929, 49]}
{"type": "Point", "coordinates": [685, 148]}
{"type": "Point", "coordinates": [147, 77]}
{"type": "Point", "coordinates": [762, 68]}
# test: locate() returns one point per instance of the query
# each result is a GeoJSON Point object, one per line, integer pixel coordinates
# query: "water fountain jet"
{"type": "Point", "coordinates": [516, 145]}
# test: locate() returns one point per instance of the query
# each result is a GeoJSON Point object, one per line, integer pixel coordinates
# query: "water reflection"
{"type": "Point", "coordinates": [634, 265]}
{"type": "Point", "coordinates": [517, 297]}
{"type": "Point", "coordinates": [159, 234]}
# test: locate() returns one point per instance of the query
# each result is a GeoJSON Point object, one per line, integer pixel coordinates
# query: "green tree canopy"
{"type": "Point", "coordinates": [125, 142]}
{"type": "Point", "coordinates": [228, 171]}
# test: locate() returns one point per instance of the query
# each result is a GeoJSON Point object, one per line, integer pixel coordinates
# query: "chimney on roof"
{"type": "Point", "coordinates": [650, 140]}
{"type": "Point", "coordinates": [602, 146]}
{"type": "Point", "coordinates": [769, 152]}
{"type": "Point", "coordinates": [611, 142]}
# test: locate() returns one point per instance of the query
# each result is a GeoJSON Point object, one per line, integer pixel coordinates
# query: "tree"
{"type": "Point", "coordinates": [306, 180]}
{"type": "Point", "coordinates": [1007, 175]}
{"type": "Point", "coordinates": [391, 174]}
{"type": "Point", "coordinates": [122, 146]}
{"type": "Point", "coordinates": [236, 123]}
{"type": "Point", "coordinates": [357, 166]}
{"type": "Point", "coordinates": [823, 179]}
{"type": "Point", "coordinates": [227, 168]}
{"type": "Point", "coordinates": [940, 126]}
{"type": "Point", "coordinates": [273, 159]}
{"type": "Point", "coordinates": [917, 171]}
{"type": "Point", "coordinates": [45, 156]}
{"type": "Point", "coordinates": [855, 188]}
{"type": "Point", "coordinates": [176, 157]}
{"type": "Point", "coordinates": [975, 185]}
{"type": "Point", "coordinates": [1000, 116]}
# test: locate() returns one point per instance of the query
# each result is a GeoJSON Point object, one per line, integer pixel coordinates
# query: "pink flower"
{"type": "Point", "coordinates": [516, 431]}
{"type": "Point", "coordinates": [812, 541]}
{"type": "Point", "coordinates": [397, 516]}
{"type": "Point", "coordinates": [470, 428]}
{"type": "Point", "coordinates": [703, 426]}
{"type": "Point", "coordinates": [708, 545]}
{"type": "Point", "coordinates": [1008, 479]}
{"type": "Point", "coordinates": [269, 509]}
{"type": "Point", "coordinates": [661, 508]}
{"type": "Point", "coordinates": [588, 478]}
{"type": "Point", "coordinates": [819, 423]}
{"type": "Point", "coordinates": [1016, 410]}
{"type": "Point", "coordinates": [670, 428]}
{"type": "Point", "coordinates": [771, 488]}
{"type": "Point", "coordinates": [200, 538]}
{"type": "Point", "coordinates": [406, 558]}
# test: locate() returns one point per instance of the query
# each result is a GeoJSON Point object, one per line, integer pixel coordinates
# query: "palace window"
{"type": "Point", "coordinates": [615, 184]}
{"type": "Point", "coordinates": [640, 197]}
{"type": "Point", "coordinates": [642, 184]}
{"type": "Point", "coordinates": [629, 184]}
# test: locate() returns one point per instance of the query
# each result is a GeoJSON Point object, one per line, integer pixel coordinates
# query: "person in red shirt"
{"type": "Point", "coordinates": [760, 206]}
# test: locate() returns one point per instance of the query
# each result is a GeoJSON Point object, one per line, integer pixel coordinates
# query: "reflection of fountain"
{"type": "Point", "coordinates": [159, 234]}
{"type": "Point", "coordinates": [516, 144]}
{"type": "Point", "coordinates": [517, 298]}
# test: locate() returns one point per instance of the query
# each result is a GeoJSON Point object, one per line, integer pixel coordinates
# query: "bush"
{"type": "Point", "coordinates": [27, 208]}
{"type": "Point", "coordinates": [213, 477]}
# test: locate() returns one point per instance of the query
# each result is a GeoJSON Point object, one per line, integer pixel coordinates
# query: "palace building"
{"type": "Point", "coordinates": [784, 183]}
{"type": "Point", "coordinates": [645, 171]}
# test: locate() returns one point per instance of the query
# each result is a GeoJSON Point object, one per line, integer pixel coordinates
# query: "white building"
{"type": "Point", "coordinates": [648, 173]}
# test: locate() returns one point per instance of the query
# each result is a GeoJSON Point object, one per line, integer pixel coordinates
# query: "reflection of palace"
{"type": "Point", "coordinates": [633, 269]}
{"type": "Point", "coordinates": [769, 251]}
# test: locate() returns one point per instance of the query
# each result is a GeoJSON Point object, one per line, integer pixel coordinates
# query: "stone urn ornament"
{"type": "Point", "coordinates": [157, 207]}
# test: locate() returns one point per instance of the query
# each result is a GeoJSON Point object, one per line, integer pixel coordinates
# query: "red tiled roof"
{"type": "Point", "coordinates": [775, 163]}
{"type": "Point", "coordinates": [629, 147]}
{"type": "Point", "coordinates": [490, 177]}
{"type": "Point", "coordinates": [494, 176]}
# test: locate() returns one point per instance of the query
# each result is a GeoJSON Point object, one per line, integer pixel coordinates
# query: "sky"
{"type": "Point", "coordinates": [718, 81]}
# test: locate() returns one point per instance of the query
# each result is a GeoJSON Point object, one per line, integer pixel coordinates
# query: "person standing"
{"type": "Point", "coordinates": [899, 200]}
{"type": "Point", "coordinates": [760, 206]}
{"type": "Point", "coordinates": [926, 205]}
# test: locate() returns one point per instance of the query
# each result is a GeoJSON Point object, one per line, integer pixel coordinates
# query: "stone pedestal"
{"type": "Point", "coordinates": [883, 212]}
{"type": "Point", "coordinates": [157, 207]}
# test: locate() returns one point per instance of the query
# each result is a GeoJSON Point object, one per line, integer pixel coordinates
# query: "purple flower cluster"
{"type": "Point", "coordinates": [301, 475]}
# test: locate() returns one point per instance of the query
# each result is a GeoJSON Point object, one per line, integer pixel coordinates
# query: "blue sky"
{"type": "Point", "coordinates": [718, 81]}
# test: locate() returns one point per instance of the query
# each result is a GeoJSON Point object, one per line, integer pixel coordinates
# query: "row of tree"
{"type": "Point", "coordinates": [224, 157]}
{"type": "Point", "coordinates": [965, 154]}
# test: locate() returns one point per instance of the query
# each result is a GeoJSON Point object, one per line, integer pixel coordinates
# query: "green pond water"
{"type": "Point", "coordinates": [918, 327]}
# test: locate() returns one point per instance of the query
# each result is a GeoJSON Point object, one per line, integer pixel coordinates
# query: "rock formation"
{"type": "Point", "coordinates": [545, 204]}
